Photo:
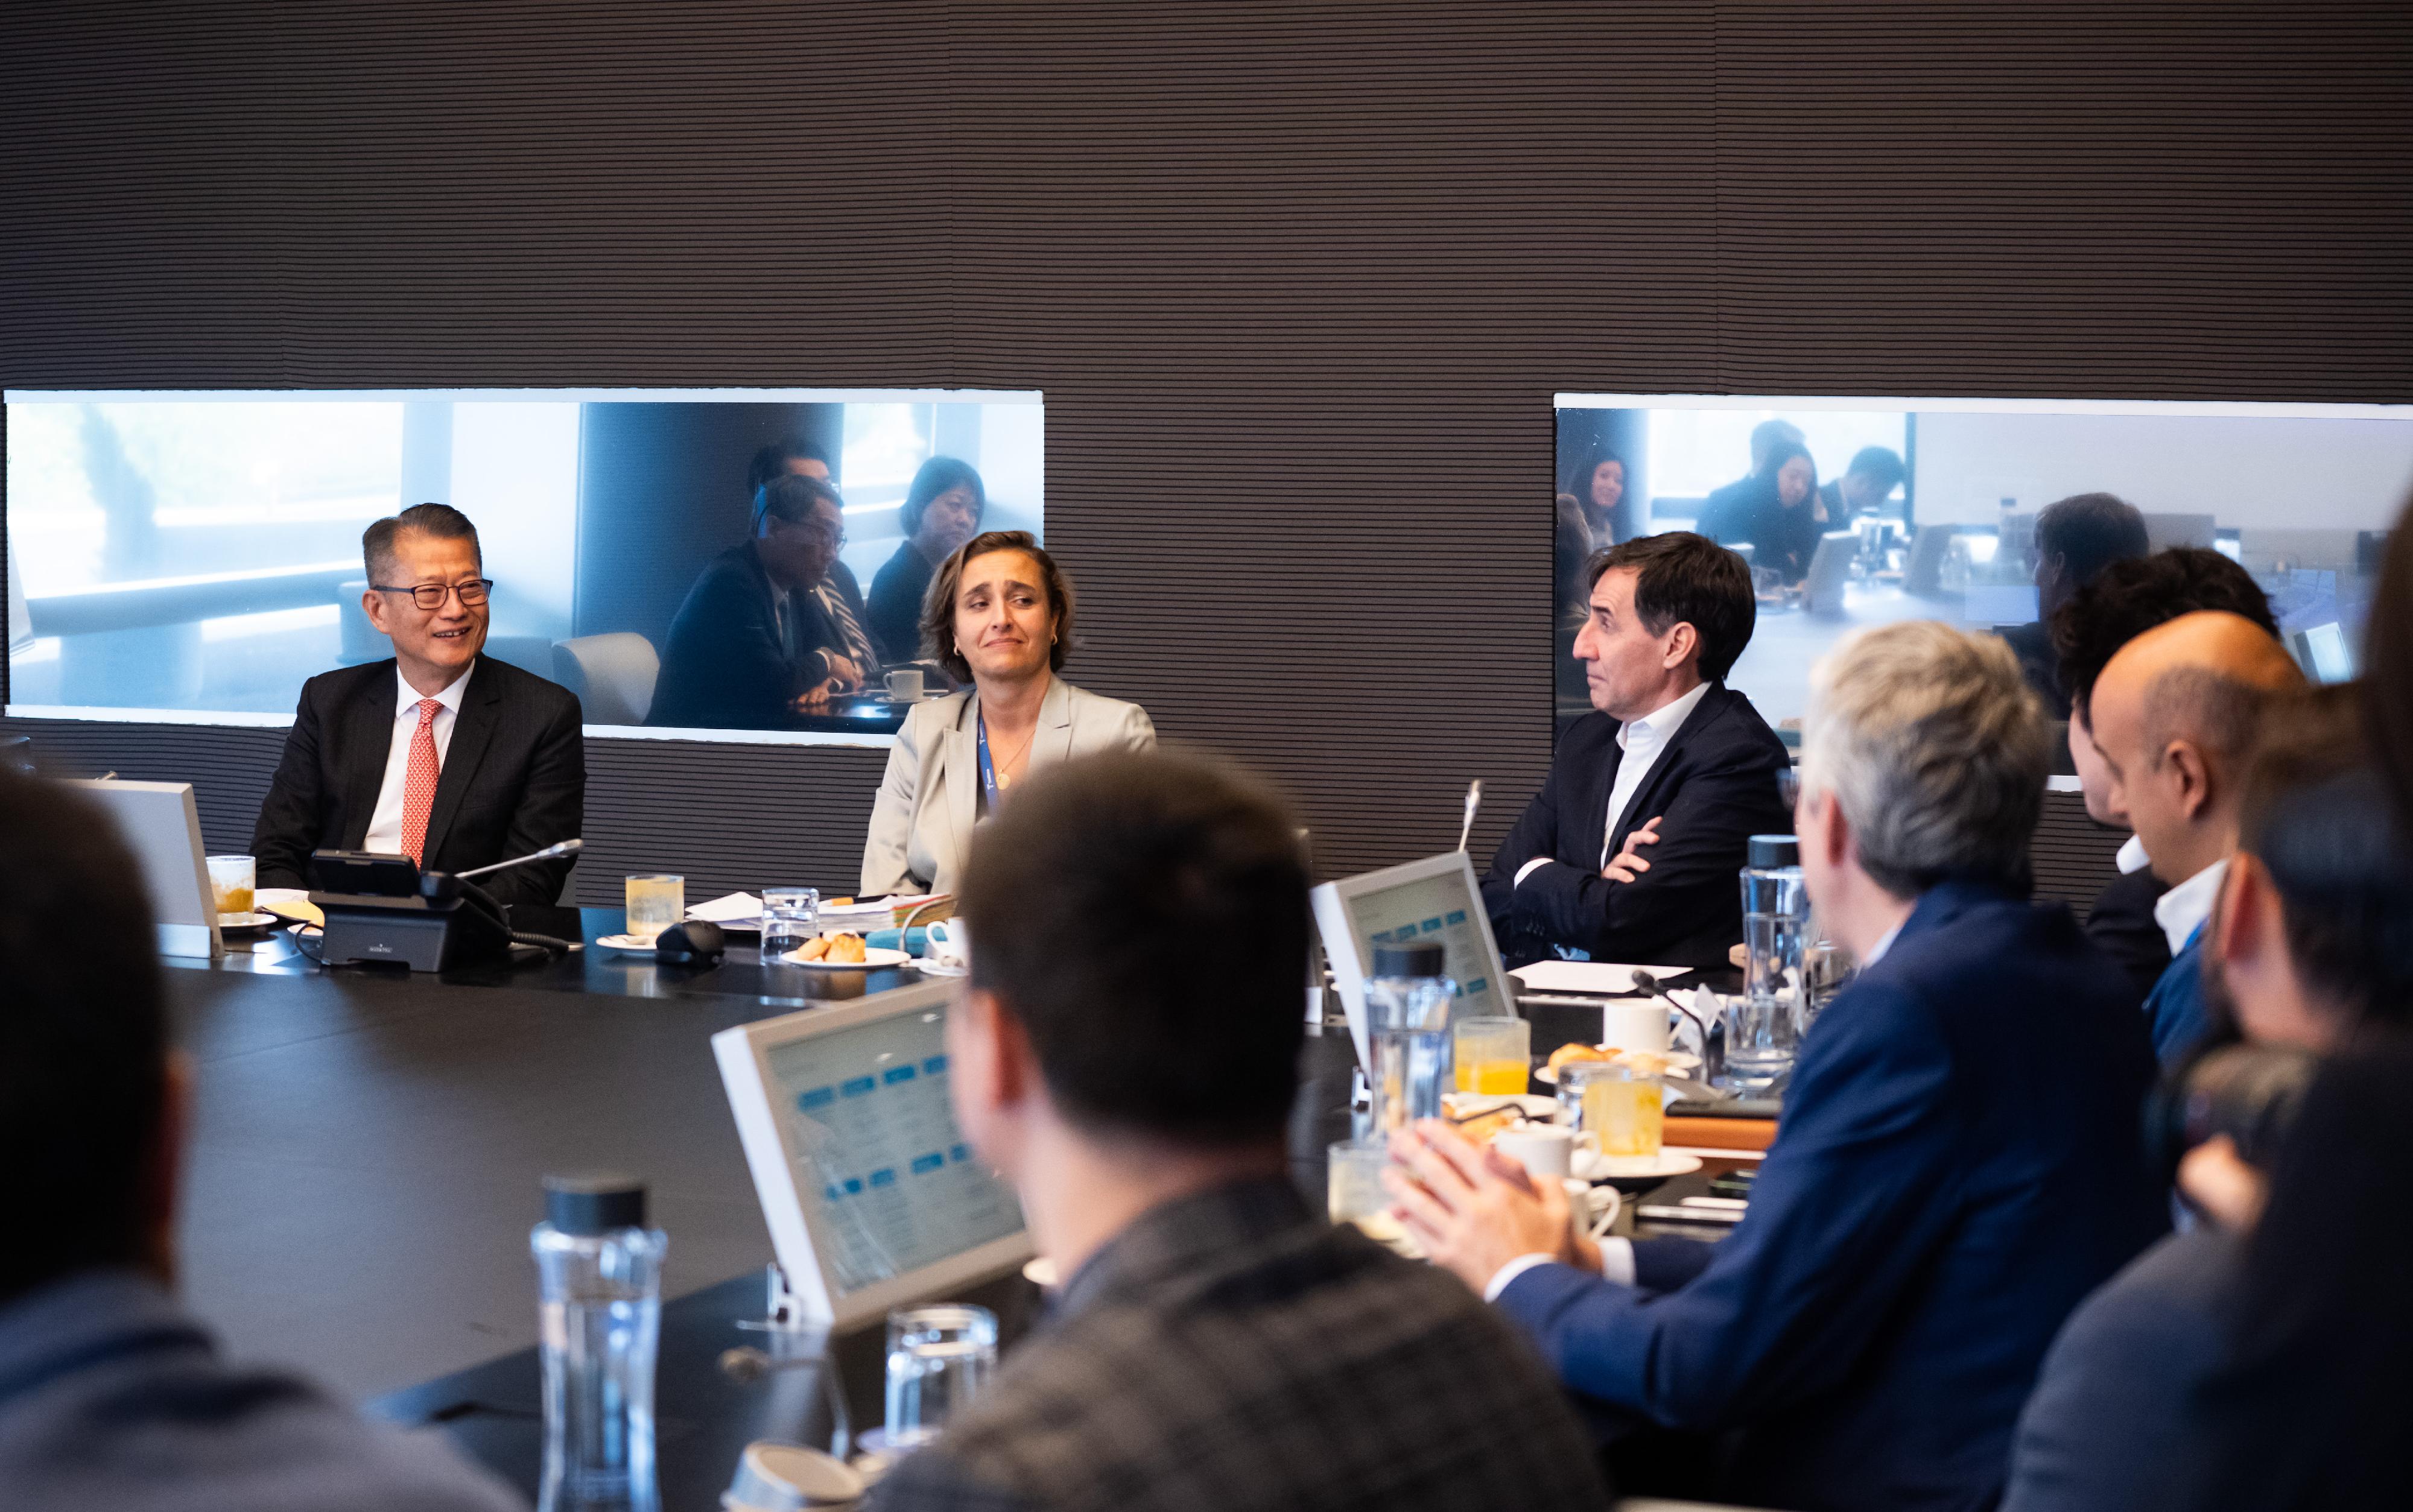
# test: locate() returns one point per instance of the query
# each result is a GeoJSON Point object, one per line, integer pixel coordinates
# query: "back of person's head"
{"type": "Point", "coordinates": [934, 478]}
{"type": "Point", "coordinates": [2089, 532]}
{"type": "Point", "coordinates": [2207, 677]}
{"type": "Point", "coordinates": [2388, 665]}
{"type": "Point", "coordinates": [2317, 815]}
{"type": "Point", "coordinates": [1144, 918]}
{"type": "Point", "coordinates": [771, 460]}
{"type": "Point", "coordinates": [83, 1039]}
{"type": "Point", "coordinates": [2131, 597]}
{"type": "Point", "coordinates": [793, 498]}
{"type": "Point", "coordinates": [1684, 578]}
{"type": "Point", "coordinates": [439, 520]}
{"type": "Point", "coordinates": [1764, 437]}
{"type": "Point", "coordinates": [1935, 751]}
{"type": "Point", "coordinates": [1881, 465]}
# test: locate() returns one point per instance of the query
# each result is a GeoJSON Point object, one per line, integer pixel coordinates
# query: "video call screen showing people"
{"type": "Point", "coordinates": [1855, 512]}
{"type": "Point", "coordinates": [199, 553]}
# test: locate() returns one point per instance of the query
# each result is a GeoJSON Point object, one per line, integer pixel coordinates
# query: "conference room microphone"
{"type": "Point", "coordinates": [1649, 984]}
{"type": "Point", "coordinates": [1474, 802]}
{"type": "Point", "coordinates": [565, 847]}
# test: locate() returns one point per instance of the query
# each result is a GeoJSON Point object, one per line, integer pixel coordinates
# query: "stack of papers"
{"type": "Point", "coordinates": [739, 910]}
{"type": "Point", "coordinates": [744, 910]}
{"type": "Point", "coordinates": [1592, 977]}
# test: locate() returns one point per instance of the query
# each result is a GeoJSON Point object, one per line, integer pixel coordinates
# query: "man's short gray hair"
{"type": "Point", "coordinates": [1935, 751]}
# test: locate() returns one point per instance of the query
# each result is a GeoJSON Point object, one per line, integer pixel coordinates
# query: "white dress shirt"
{"type": "Point", "coordinates": [1644, 741]}
{"type": "Point", "coordinates": [1617, 1254]}
{"type": "Point", "coordinates": [2181, 910]}
{"type": "Point", "coordinates": [385, 820]}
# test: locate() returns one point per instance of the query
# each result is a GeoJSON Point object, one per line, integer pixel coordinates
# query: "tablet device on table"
{"type": "Point", "coordinates": [1434, 899]}
{"type": "Point", "coordinates": [163, 830]}
{"type": "Point", "coordinates": [872, 1197]}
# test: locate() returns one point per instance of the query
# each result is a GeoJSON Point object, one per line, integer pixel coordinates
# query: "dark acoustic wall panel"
{"type": "Point", "coordinates": [1299, 280]}
{"type": "Point", "coordinates": [2071, 854]}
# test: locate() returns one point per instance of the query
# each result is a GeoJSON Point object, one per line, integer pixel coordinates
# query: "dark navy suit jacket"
{"type": "Point", "coordinates": [1957, 1166]}
{"type": "Point", "coordinates": [2175, 1013]}
{"type": "Point", "coordinates": [1715, 784]}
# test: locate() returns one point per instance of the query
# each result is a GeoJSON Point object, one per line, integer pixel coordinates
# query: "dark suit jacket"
{"type": "Point", "coordinates": [2176, 1014]}
{"type": "Point", "coordinates": [110, 1397]}
{"type": "Point", "coordinates": [1234, 1350]}
{"type": "Point", "coordinates": [897, 590]}
{"type": "Point", "coordinates": [514, 778]}
{"type": "Point", "coordinates": [2114, 1405]}
{"type": "Point", "coordinates": [1957, 1167]}
{"type": "Point", "coordinates": [1716, 786]}
{"type": "Point", "coordinates": [725, 667]}
{"type": "Point", "coordinates": [2122, 925]}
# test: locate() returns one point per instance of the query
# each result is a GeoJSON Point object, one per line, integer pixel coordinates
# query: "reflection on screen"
{"type": "Point", "coordinates": [200, 551]}
{"type": "Point", "coordinates": [899, 1190]}
{"type": "Point", "coordinates": [1435, 908]}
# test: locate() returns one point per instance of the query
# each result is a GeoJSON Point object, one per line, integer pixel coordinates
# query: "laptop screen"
{"type": "Point", "coordinates": [1433, 908]}
{"type": "Point", "coordinates": [867, 1107]}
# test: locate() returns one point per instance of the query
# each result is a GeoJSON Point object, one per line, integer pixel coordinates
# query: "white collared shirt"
{"type": "Point", "coordinates": [2181, 910]}
{"type": "Point", "coordinates": [2132, 858]}
{"type": "Point", "coordinates": [385, 820]}
{"type": "Point", "coordinates": [1644, 741]}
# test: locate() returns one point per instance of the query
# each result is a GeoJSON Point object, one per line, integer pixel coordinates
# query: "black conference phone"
{"type": "Point", "coordinates": [383, 910]}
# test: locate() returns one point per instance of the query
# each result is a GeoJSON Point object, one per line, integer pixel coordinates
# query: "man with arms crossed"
{"type": "Point", "coordinates": [441, 753]}
{"type": "Point", "coordinates": [2174, 717]}
{"type": "Point", "coordinates": [1958, 1158]}
{"type": "Point", "coordinates": [1629, 853]}
{"type": "Point", "coordinates": [1126, 1055]}
{"type": "Point", "coordinates": [109, 1395]}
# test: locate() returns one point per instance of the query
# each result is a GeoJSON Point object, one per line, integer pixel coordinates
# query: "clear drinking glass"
{"type": "Point", "coordinates": [655, 903]}
{"type": "Point", "coordinates": [1624, 1116]}
{"type": "Point", "coordinates": [939, 1358]}
{"type": "Point", "coordinates": [598, 1323]}
{"type": "Point", "coordinates": [232, 880]}
{"type": "Point", "coordinates": [790, 915]}
{"type": "Point", "coordinates": [1492, 1055]}
{"type": "Point", "coordinates": [1410, 1043]}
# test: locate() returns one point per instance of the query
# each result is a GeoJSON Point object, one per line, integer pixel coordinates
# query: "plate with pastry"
{"type": "Point", "coordinates": [1652, 1062]}
{"type": "Point", "coordinates": [843, 952]}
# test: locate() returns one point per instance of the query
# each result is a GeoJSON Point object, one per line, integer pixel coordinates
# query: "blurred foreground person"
{"type": "Point", "coordinates": [1957, 1167]}
{"type": "Point", "coordinates": [1125, 1054]}
{"type": "Point", "coordinates": [2311, 949]}
{"type": "Point", "coordinates": [109, 1395]}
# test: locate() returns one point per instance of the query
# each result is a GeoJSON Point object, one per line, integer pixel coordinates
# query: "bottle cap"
{"type": "Point", "coordinates": [1774, 850]}
{"type": "Point", "coordinates": [1411, 958]}
{"type": "Point", "coordinates": [594, 1202]}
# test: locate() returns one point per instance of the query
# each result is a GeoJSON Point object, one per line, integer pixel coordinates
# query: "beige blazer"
{"type": "Point", "coordinates": [922, 822]}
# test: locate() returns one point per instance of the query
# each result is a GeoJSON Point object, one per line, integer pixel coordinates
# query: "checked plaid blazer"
{"type": "Point", "coordinates": [1231, 1351]}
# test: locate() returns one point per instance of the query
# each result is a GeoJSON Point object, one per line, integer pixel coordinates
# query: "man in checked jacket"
{"type": "Point", "coordinates": [1125, 1054]}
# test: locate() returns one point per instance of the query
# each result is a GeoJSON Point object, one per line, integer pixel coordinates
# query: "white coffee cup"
{"type": "Point", "coordinates": [1635, 1024]}
{"type": "Point", "coordinates": [946, 943]}
{"type": "Point", "coordinates": [1545, 1150]}
{"type": "Point", "coordinates": [905, 684]}
{"type": "Point", "coordinates": [1592, 1210]}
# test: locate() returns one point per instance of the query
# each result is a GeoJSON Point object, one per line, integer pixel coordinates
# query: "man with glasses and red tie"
{"type": "Point", "coordinates": [441, 753]}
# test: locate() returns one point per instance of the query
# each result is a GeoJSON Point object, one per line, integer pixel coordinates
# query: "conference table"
{"type": "Point", "coordinates": [365, 1159]}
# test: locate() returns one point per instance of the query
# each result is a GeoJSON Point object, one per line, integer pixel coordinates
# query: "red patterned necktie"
{"type": "Point", "coordinates": [419, 783]}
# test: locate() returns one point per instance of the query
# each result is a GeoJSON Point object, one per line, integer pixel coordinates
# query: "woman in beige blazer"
{"type": "Point", "coordinates": [999, 614]}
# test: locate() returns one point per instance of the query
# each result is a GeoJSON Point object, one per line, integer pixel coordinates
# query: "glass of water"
{"type": "Point", "coordinates": [790, 915]}
{"type": "Point", "coordinates": [655, 903]}
{"type": "Point", "coordinates": [939, 1360]}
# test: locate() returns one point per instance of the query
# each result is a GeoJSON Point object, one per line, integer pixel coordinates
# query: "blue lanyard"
{"type": "Point", "coordinates": [987, 772]}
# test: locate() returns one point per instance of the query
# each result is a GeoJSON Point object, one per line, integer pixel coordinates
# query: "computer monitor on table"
{"type": "Point", "coordinates": [1434, 899]}
{"type": "Point", "coordinates": [1830, 572]}
{"type": "Point", "coordinates": [872, 1198]}
{"type": "Point", "coordinates": [163, 829]}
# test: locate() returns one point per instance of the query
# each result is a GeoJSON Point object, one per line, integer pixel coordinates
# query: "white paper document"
{"type": "Point", "coordinates": [1587, 976]}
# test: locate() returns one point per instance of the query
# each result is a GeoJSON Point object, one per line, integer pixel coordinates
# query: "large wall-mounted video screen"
{"type": "Point", "coordinates": [1854, 512]}
{"type": "Point", "coordinates": [196, 555]}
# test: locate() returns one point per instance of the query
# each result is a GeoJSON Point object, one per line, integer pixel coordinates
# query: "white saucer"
{"type": "Point", "coordinates": [626, 945]}
{"type": "Point", "coordinates": [245, 923]}
{"type": "Point", "coordinates": [874, 958]}
{"type": "Point", "coordinates": [1595, 1168]}
{"type": "Point", "coordinates": [1466, 1105]}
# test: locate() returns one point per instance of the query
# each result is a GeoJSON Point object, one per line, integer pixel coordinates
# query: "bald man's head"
{"type": "Point", "coordinates": [2175, 713]}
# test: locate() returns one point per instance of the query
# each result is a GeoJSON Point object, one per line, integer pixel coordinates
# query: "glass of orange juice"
{"type": "Point", "coordinates": [1494, 1055]}
{"type": "Point", "coordinates": [1623, 1114]}
{"type": "Point", "coordinates": [231, 880]}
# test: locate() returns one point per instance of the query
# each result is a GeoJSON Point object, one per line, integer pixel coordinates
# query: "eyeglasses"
{"type": "Point", "coordinates": [432, 595]}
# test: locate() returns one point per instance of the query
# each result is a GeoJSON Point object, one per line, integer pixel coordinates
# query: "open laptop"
{"type": "Point", "coordinates": [872, 1197]}
{"type": "Point", "coordinates": [163, 829]}
{"type": "Point", "coordinates": [1434, 899]}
